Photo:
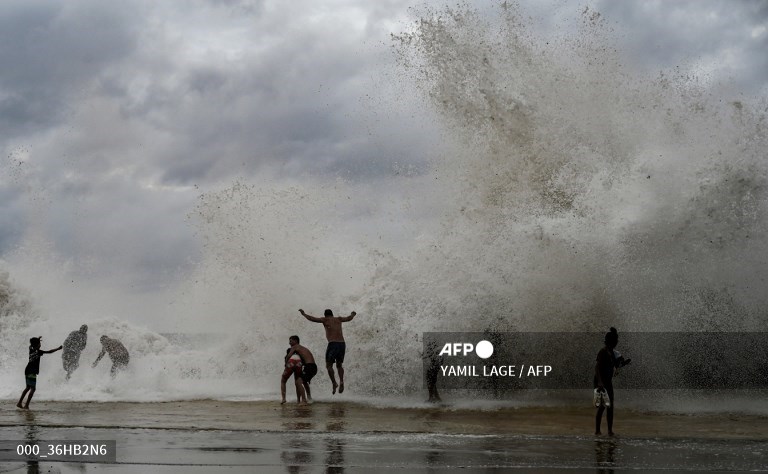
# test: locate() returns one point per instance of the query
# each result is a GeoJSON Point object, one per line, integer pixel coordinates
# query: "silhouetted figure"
{"type": "Point", "coordinates": [73, 346]}
{"type": "Point", "coordinates": [433, 361]}
{"type": "Point", "coordinates": [33, 368]}
{"type": "Point", "coordinates": [117, 352]}
{"type": "Point", "coordinates": [603, 381]}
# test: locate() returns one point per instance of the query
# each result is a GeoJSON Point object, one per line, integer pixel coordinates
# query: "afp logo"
{"type": "Point", "coordinates": [483, 349]}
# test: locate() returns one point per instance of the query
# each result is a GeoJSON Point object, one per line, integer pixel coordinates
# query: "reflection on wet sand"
{"type": "Point", "coordinates": [336, 418]}
{"type": "Point", "coordinates": [605, 451]}
{"type": "Point", "coordinates": [334, 446]}
{"type": "Point", "coordinates": [297, 417]}
{"type": "Point", "coordinates": [298, 452]}
{"type": "Point", "coordinates": [297, 455]}
{"type": "Point", "coordinates": [334, 460]}
{"type": "Point", "coordinates": [31, 436]}
{"type": "Point", "coordinates": [342, 437]}
{"type": "Point", "coordinates": [435, 455]}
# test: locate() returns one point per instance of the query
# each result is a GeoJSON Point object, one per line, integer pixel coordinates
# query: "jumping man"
{"type": "Point", "coordinates": [336, 345]}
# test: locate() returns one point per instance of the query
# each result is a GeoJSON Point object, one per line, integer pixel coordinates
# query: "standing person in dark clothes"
{"type": "Point", "coordinates": [334, 354]}
{"type": "Point", "coordinates": [433, 362]}
{"type": "Point", "coordinates": [73, 346]}
{"type": "Point", "coordinates": [117, 352]}
{"type": "Point", "coordinates": [603, 380]}
{"type": "Point", "coordinates": [33, 368]}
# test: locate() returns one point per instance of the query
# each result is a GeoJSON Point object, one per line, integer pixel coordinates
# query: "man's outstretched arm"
{"type": "Point", "coordinates": [52, 350]}
{"type": "Point", "coordinates": [348, 318]}
{"type": "Point", "coordinates": [310, 317]}
{"type": "Point", "coordinates": [103, 351]}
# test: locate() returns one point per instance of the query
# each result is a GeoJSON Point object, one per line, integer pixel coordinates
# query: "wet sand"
{"type": "Point", "coordinates": [217, 436]}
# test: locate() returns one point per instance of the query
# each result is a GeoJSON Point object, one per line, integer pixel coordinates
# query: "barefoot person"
{"type": "Point", "coordinates": [292, 367]}
{"type": "Point", "coordinates": [73, 346]}
{"type": "Point", "coordinates": [336, 345]}
{"type": "Point", "coordinates": [117, 352]}
{"type": "Point", "coordinates": [33, 368]}
{"type": "Point", "coordinates": [308, 366]}
{"type": "Point", "coordinates": [603, 380]}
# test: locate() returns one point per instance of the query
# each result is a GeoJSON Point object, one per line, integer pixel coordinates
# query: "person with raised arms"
{"type": "Point", "coordinates": [337, 347]}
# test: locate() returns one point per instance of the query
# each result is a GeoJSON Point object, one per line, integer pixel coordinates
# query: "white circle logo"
{"type": "Point", "coordinates": [484, 349]}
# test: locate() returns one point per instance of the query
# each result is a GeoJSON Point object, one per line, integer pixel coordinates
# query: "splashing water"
{"type": "Point", "coordinates": [571, 193]}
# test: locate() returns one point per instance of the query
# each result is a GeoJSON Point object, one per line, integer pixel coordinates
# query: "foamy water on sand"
{"type": "Point", "coordinates": [240, 436]}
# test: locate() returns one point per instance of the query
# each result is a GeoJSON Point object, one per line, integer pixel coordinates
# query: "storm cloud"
{"type": "Point", "coordinates": [116, 117]}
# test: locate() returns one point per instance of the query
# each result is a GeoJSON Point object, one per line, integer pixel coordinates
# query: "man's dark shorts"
{"type": "Point", "coordinates": [31, 380]}
{"type": "Point", "coordinates": [335, 352]}
{"type": "Point", "coordinates": [308, 371]}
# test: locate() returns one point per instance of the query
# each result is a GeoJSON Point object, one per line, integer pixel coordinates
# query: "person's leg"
{"type": "Point", "coordinates": [26, 389]}
{"type": "Point", "coordinates": [67, 364]}
{"type": "Point", "coordinates": [73, 366]}
{"type": "Point", "coordinates": [329, 360]}
{"type": "Point", "coordinates": [329, 366]}
{"type": "Point", "coordinates": [308, 391]}
{"type": "Point", "coordinates": [29, 398]}
{"type": "Point", "coordinates": [599, 419]}
{"type": "Point", "coordinates": [340, 367]}
{"type": "Point", "coordinates": [433, 395]}
{"type": "Point", "coordinates": [117, 367]}
{"type": "Point", "coordinates": [283, 380]}
{"type": "Point", "coordinates": [610, 412]}
{"type": "Point", "coordinates": [432, 384]}
{"type": "Point", "coordinates": [300, 394]}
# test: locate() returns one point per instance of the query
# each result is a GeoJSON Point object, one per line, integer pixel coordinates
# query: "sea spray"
{"type": "Point", "coordinates": [571, 192]}
{"type": "Point", "coordinates": [580, 193]}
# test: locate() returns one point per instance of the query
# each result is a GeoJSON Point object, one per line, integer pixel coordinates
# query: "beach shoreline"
{"type": "Point", "coordinates": [243, 436]}
{"type": "Point", "coordinates": [359, 417]}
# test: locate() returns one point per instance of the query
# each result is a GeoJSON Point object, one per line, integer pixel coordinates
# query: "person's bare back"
{"type": "Point", "coordinates": [304, 353]}
{"type": "Point", "coordinates": [333, 332]}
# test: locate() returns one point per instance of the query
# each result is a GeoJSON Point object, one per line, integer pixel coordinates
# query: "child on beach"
{"type": "Point", "coordinates": [33, 368]}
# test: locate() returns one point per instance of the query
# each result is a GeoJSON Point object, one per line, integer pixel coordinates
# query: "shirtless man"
{"type": "Point", "coordinates": [336, 345]}
{"type": "Point", "coordinates": [308, 369]}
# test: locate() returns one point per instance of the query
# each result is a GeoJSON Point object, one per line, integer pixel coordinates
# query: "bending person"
{"type": "Point", "coordinates": [117, 352]}
{"type": "Point", "coordinates": [308, 367]}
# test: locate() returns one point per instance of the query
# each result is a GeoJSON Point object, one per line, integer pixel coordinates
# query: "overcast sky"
{"type": "Point", "coordinates": [116, 116]}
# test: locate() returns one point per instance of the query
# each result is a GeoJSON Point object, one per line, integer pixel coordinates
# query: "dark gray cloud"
{"type": "Point", "coordinates": [11, 220]}
{"type": "Point", "coordinates": [725, 39]}
{"type": "Point", "coordinates": [50, 51]}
